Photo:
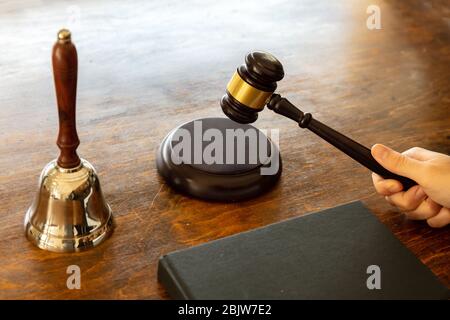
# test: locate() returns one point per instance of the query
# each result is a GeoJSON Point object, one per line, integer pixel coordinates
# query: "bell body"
{"type": "Point", "coordinates": [69, 212]}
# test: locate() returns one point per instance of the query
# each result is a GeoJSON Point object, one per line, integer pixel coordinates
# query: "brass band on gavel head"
{"type": "Point", "coordinates": [246, 94]}
{"type": "Point", "coordinates": [251, 87]}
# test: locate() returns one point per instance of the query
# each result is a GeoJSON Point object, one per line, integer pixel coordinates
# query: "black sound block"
{"type": "Point", "coordinates": [207, 159]}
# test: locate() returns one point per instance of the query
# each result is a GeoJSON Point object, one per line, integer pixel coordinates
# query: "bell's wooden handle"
{"type": "Point", "coordinates": [65, 70]}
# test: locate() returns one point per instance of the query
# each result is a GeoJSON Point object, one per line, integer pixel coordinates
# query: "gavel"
{"type": "Point", "coordinates": [252, 87]}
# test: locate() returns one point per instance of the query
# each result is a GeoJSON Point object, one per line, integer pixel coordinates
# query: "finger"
{"type": "Point", "coordinates": [427, 209]}
{"type": "Point", "coordinates": [441, 219]}
{"type": "Point", "coordinates": [421, 154]}
{"type": "Point", "coordinates": [386, 187]}
{"type": "Point", "coordinates": [408, 200]}
{"type": "Point", "coordinates": [389, 200]}
{"type": "Point", "coordinates": [397, 162]}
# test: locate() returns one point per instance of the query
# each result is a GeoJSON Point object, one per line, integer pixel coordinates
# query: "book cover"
{"type": "Point", "coordinates": [339, 253]}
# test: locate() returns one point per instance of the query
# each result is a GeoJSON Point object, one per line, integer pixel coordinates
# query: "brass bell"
{"type": "Point", "coordinates": [69, 212]}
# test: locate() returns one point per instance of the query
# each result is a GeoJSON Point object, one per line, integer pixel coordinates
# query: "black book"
{"type": "Point", "coordinates": [338, 253]}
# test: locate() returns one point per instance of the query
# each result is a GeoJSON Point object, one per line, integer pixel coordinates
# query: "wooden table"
{"type": "Point", "coordinates": [145, 67]}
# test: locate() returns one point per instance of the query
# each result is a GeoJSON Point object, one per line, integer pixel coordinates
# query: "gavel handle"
{"type": "Point", "coordinates": [350, 147]}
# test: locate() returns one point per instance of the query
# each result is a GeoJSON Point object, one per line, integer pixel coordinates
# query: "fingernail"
{"type": "Point", "coordinates": [388, 200]}
{"type": "Point", "coordinates": [393, 188]}
{"type": "Point", "coordinates": [419, 193]}
{"type": "Point", "coordinates": [379, 151]}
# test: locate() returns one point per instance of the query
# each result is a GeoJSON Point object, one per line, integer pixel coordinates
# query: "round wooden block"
{"type": "Point", "coordinates": [230, 177]}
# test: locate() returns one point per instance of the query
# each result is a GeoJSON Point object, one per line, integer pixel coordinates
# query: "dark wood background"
{"type": "Point", "coordinates": [145, 67]}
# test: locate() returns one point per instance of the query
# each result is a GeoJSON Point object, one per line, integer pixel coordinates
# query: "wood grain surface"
{"type": "Point", "coordinates": [147, 66]}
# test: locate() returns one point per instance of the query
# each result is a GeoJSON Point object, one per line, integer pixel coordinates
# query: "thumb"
{"type": "Point", "coordinates": [397, 162]}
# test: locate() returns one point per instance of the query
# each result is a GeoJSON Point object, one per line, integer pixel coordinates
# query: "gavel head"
{"type": "Point", "coordinates": [251, 87]}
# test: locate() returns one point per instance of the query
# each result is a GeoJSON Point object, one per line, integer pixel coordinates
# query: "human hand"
{"type": "Point", "coordinates": [430, 199]}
